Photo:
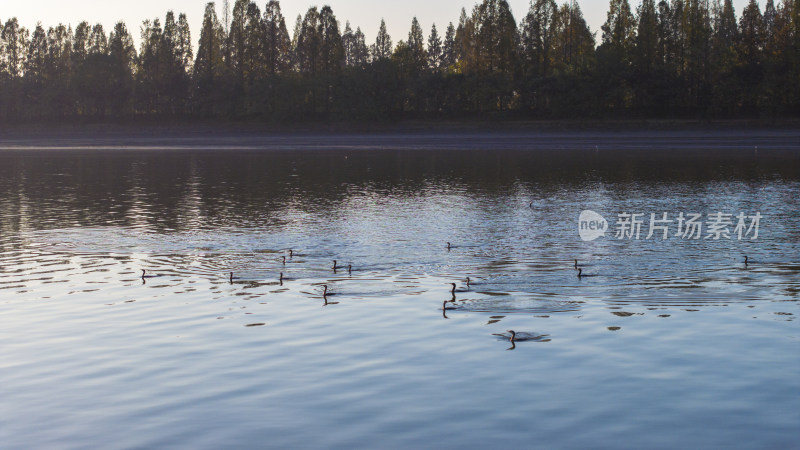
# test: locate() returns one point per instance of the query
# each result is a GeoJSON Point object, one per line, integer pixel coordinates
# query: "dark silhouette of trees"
{"type": "Point", "coordinates": [434, 49]}
{"type": "Point", "coordinates": [209, 66]}
{"type": "Point", "coordinates": [663, 58]}
{"type": "Point", "coordinates": [383, 44]}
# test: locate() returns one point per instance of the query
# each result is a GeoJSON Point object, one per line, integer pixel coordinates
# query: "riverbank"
{"type": "Point", "coordinates": [484, 135]}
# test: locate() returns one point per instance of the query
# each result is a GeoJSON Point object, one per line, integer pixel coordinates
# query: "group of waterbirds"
{"type": "Point", "coordinates": [517, 336]}
{"type": "Point", "coordinates": [513, 337]}
{"type": "Point", "coordinates": [281, 278]}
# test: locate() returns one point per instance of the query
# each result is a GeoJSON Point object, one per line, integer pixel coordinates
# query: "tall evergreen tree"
{"type": "Point", "coordinates": [209, 64]}
{"type": "Point", "coordinates": [496, 37]}
{"type": "Point", "coordinates": [726, 28]}
{"type": "Point", "coordinates": [332, 51]}
{"type": "Point", "coordinates": [183, 44]}
{"type": "Point", "coordinates": [416, 47]}
{"type": "Point", "coordinates": [59, 52]}
{"type": "Point", "coordinates": [698, 52]}
{"type": "Point", "coordinates": [15, 40]}
{"type": "Point", "coordinates": [237, 41]}
{"type": "Point", "coordinates": [619, 29]}
{"type": "Point", "coordinates": [449, 46]}
{"type": "Point", "coordinates": [122, 54]}
{"type": "Point", "coordinates": [538, 37]}
{"type": "Point", "coordinates": [298, 28]}
{"type": "Point", "coordinates": [383, 44]}
{"type": "Point", "coordinates": [751, 35]}
{"type": "Point", "coordinates": [355, 49]}
{"type": "Point", "coordinates": [309, 43]}
{"type": "Point", "coordinates": [575, 45]}
{"type": "Point", "coordinates": [93, 73]}
{"type": "Point", "coordinates": [615, 56]}
{"type": "Point", "coordinates": [348, 42]}
{"type": "Point", "coordinates": [647, 37]}
{"type": "Point", "coordinates": [173, 80]}
{"type": "Point", "coordinates": [434, 49]}
{"type": "Point", "coordinates": [153, 69]}
{"type": "Point", "coordinates": [36, 60]}
{"type": "Point", "coordinates": [277, 45]}
{"type": "Point", "coordinates": [254, 44]}
{"type": "Point", "coordinates": [769, 18]}
{"type": "Point", "coordinates": [98, 43]}
{"type": "Point", "coordinates": [360, 52]}
{"type": "Point", "coordinates": [80, 43]}
{"type": "Point", "coordinates": [466, 48]}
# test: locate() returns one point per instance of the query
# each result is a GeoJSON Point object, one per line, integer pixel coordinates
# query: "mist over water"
{"type": "Point", "coordinates": [658, 336]}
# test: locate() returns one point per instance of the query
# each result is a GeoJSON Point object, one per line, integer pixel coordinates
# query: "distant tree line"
{"type": "Point", "coordinates": [672, 58]}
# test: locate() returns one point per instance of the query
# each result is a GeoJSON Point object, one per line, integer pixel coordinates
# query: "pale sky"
{"type": "Point", "coordinates": [360, 13]}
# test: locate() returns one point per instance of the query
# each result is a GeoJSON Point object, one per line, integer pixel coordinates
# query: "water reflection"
{"type": "Point", "coordinates": [502, 223]}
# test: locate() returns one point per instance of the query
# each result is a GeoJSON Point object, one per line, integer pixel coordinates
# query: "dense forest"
{"type": "Point", "coordinates": [671, 58]}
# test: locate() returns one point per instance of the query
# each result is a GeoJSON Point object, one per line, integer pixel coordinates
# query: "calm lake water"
{"type": "Point", "coordinates": [667, 343]}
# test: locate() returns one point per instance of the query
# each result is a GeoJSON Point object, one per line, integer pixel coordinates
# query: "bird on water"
{"type": "Point", "coordinates": [447, 308]}
{"type": "Point", "coordinates": [448, 246]}
{"type": "Point", "coordinates": [325, 291]}
{"type": "Point", "coordinates": [453, 290]}
{"type": "Point", "coordinates": [522, 336]}
{"type": "Point", "coordinates": [745, 260]}
{"type": "Point", "coordinates": [147, 276]}
{"type": "Point", "coordinates": [335, 266]}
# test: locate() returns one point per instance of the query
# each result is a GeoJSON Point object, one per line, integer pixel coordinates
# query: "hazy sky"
{"type": "Point", "coordinates": [361, 13]}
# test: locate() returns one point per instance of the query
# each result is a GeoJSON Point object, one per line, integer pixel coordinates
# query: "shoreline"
{"type": "Point", "coordinates": [479, 135]}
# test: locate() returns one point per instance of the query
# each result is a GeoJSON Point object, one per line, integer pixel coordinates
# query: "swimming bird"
{"type": "Point", "coordinates": [523, 336]}
{"type": "Point", "coordinates": [284, 260]}
{"type": "Point", "coordinates": [281, 279]}
{"type": "Point", "coordinates": [530, 205]}
{"type": "Point", "coordinates": [147, 276]}
{"type": "Point", "coordinates": [349, 269]}
{"type": "Point", "coordinates": [232, 278]}
{"type": "Point", "coordinates": [447, 308]}
{"type": "Point", "coordinates": [291, 253]}
{"type": "Point", "coordinates": [467, 281]}
{"type": "Point", "coordinates": [579, 272]}
{"type": "Point", "coordinates": [325, 296]}
{"type": "Point", "coordinates": [453, 290]}
{"type": "Point", "coordinates": [334, 266]}
{"type": "Point", "coordinates": [745, 260]}
{"type": "Point", "coordinates": [448, 246]}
